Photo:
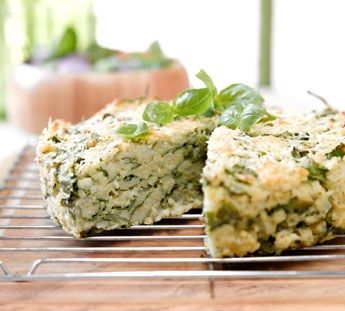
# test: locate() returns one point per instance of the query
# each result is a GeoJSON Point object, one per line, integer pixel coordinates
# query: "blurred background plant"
{"type": "Point", "coordinates": [60, 36]}
{"type": "Point", "coordinates": [28, 25]}
{"type": "Point", "coordinates": [222, 38]}
{"type": "Point", "coordinates": [263, 43]}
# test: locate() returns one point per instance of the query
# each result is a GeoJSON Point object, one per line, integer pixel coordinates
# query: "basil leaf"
{"type": "Point", "coordinates": [131, 130]}
{"type": "Point", "coordinates": [159, 112]}
{"type": "Point", "coordinates": [234, 92]}
{"type": "Point", "coordinates": [231, 116]}
{"type": "Point", "coordinates": [209, 113]}
{"type": "Point", "coordinates": [243, 115]}
{"type": "Point", "coordinates": [204, 77]}
{"type": "Point", "coordinates": [67, 44]}
{"type": "Point", "coordinates": [268, 117]}
{"type": "Point", "coordinates": [193, 102]}
{"type": "Point", "coordinates": [250, 115]}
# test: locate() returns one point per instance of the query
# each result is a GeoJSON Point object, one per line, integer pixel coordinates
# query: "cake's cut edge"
{"type": "Point", "coordinates": [95, 180]}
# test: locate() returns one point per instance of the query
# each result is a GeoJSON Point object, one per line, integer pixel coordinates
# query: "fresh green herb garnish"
{"type": "Point", "coordinates": [235, 92]}
{"type": "Point", "coordinates": [242, 107]}
{"type": "Point", "coordinates": [231, 117]}
{"type": "Point", "coordinates": [242, 115]}
{"type": "Point", "coordinates": [67, 44]}
{"type": "Point", "coordinates": [251, 114]}
{"type": "Point", "coordinates": [131, 130]}
{"type": "Point", "coordinates": [193, 102]}
{"type": "Point", "coordinates": [158, 112]}
{"type": "Point", "coordinates": [268, 117]}
{"type": "Point", "coordinates": [197, 101]}
{"type": "Point", "coordinates": [238, 105]}
{"type": "Point", "coordinates": [204, 77]}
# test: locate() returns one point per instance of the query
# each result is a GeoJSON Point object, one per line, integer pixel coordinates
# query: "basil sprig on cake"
{"type": "Point", "coordinates": [238, 106]}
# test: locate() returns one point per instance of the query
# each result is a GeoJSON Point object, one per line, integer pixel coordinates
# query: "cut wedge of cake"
{"type": "Point", "coordinates": [278, 187]}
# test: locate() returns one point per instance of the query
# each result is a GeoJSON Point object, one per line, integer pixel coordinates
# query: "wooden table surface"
{"type": "Point", "coordinates": [175, 295]}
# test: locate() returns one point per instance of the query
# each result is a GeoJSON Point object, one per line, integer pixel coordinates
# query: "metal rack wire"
{"type": "Point", "coordinates": [33, 248]}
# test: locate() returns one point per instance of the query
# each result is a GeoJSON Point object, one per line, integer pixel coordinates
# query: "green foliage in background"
{"type": "Point", "coordinates": [28, 24]}
{"type": "Point", "coordinates": [65, 45]}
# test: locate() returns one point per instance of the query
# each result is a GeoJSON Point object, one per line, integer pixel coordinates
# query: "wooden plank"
{"type": "Point", "coordinates": [176, 295]}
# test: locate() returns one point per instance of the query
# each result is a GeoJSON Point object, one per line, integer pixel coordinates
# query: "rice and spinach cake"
{"type": "Point", "coordinates": [278, 186]}
{"type": "Point", "coordinates": [269, 183]}
{"type": "Point", "coordinates": [94, 179]}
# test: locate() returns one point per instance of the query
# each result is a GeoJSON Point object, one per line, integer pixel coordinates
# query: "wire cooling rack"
{"type": "Point", "coordinates": [33, 248]}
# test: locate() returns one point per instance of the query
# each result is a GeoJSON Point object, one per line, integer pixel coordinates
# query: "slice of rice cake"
{"type": "Point", "coordinates": [95, 180]}
{"type": "Point", "coordinates": [279, 187]}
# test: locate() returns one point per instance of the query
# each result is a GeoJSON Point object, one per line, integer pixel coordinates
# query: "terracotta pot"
{"type": "Point", "coordinates": [34, 95]}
